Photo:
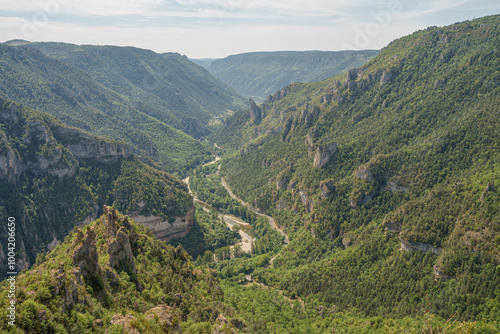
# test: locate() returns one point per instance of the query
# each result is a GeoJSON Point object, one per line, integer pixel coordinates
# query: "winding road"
{"type": "Point", "coordinates": [250, 207]}
{"type": "Point", "coordinates": [230, 220]}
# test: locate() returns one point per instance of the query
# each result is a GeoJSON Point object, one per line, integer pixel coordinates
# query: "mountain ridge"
{"type": "Point", "coordinates": [258, 74]}
{"type": "Point", "coordinates": [383, 158]}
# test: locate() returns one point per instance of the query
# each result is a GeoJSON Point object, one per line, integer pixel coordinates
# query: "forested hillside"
{"type": "Point", "coordinates": [53, 177]}
{"type": "Point", "coordinates": [183, 94]}
{"type": "Point", "coordinates": [113, 276]}
{"type": "Point", "coordinates": [71, 95]}
{"type": "Point", "coordinates": [384, 178]}
{"type": "Point", "coordinates": [258, 74]}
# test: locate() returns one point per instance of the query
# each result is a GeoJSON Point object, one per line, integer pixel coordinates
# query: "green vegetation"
{"type": "Point", "coordinates": [206, 184]}
{"type": "Point", "coordinates": [208, 233]}
{"type": "Point", "coordinates": [410, 151]}
{"type": "Point", "coordinates": [385, 180]}
{"type": "Point", "coordinates": [69, 292]}
{"type": "Point", "coordinates": [71, 95]}
{"type": "Point", "coordinates": [49, 190]}
{"type": "Point", "coordinates": [183, 94]}
{"type": "Point", "coordinates": [259, 74]}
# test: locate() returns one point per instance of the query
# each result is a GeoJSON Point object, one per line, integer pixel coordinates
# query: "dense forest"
{"type": "Point", "coordinates": [382, 182]}
{"type": "Point", "coordinates": [258, 74]}
{"type": "Point", "coordinates": [384, 178]}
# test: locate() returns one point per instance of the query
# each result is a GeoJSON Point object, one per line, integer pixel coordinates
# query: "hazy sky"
{"type": "Point", "coordinates": [217, 28]}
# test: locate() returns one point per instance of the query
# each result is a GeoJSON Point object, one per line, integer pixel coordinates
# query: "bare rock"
{"type": "Point", "coordinates": [308, 203]}
{"type": "Point", "coordinates": [85, 253]}
{"type": "Point", "coordinates": [364, 173]}
{"type": "Point", "coordinates": [409, 246]}
{"type": "Point", "coordinates": [282, 204]}
{"type": "Point", "coordinates": [327, 188]}
{"type": "Point", "coordinates": [490, 187]}
{"type": "Point", "coordinates": [10, 166]}
{"type": "Point", "coordinates": [223, 326]}
{"type": "Point", "coordinates": [282, 182]}
{"type": "Point", "coordinates": [387, 76]}
{"type": "Point", "coordinates": [163, 313]}
{"type": "Point", "coordinates": [440, 275]}
{"type": "Point", "coordinates": [124, 321]}
{"type": "Point", "coordinates": [346, 242]}
{"type": "Point", "coordinates": [393, 227]}
{"type": "Point", "coordinates": [324, 154]}
{"type": "Point", "coordinates": [394, 186]}
{"type": "Point", "coordinates": [255, 112]}
{"type": "Point", "coordinates": [120, 251]}
{"type": "Point", "coordinates": [87, 146]}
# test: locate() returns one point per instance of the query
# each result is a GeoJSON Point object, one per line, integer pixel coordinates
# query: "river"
{"type": "Point", "coordinates": [245, 230]}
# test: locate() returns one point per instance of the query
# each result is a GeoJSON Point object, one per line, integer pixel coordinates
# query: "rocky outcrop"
{"type": "Point", "coordinates": [10, 166]}
{"type": "Point", "coordinates": [223, 326]}
{"type": "Point", "coordinates": [53, 243]}
{"type": "Point", "coordinates": [85, 253]}
{"type": "Point", "coordinates": [393, 227]}
{"type": "Point", "coordinates": [278, 95]}
{"type": "Point", "coordinates": [308, 203]}
{"type": "Point", "coordinates": [394, 186]}
{"type": "Point", "coordinates": [120, 250]}
{"type": "Point", "coordinates": [324, 154]}
{"type": "Point", "coordinates": [124, 321]}
{"type": "Point", "coordinates": [490, 187]}
{"type": "Point", "coordinates": [364, 173]}
{"type": "Point", "coordinates": [307, 114]}
{"type": "Point", "coordinates": [387, 76]}
{"type": "Point", "coordinates": [255, 112]}
{"type": "Point", "coordinates": [409, 246]}
{"type": "Point", "coordinates": [87, 146]}
{"type": "Point", "coordinates": [121, 237]}
{"type": "Point", "coordinates": [352, 77]}
{"type": "Point", "coordinates": [326, 188]}
{"type": "Point", "coordinates": [346, 241]}
{"type": "Point", "coordinates": [282, 204]}
{"type": "Point", "coordinates": [441, 275]}
{"type": "Point", "coordinates": [165, 230]}
{"type": "Point", "coordinates": [282, 182]}
{"type": "Point", "coordinates": [66, 283]}
{"type": "Point", "coordinates": [163, 314]}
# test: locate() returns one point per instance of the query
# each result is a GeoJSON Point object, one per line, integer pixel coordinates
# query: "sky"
{"type": "Point", "coordinates": [218, 28]}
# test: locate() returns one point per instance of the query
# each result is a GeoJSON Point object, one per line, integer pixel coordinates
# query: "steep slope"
{"type": "Point", "coordinates": [113, 276]}
{"type": "Point", "coordinates": [385, 177]}
{"type": "Point", "coordinates": [53, 177]}
{"type": "Point", "coordinates": [173, 85]}
{"type": "Point", "coordinates": [204, 62]}
{"type": "Point", "coordinates": [69, 94]}
{"type": "Point", "coordinates": [259, 74]}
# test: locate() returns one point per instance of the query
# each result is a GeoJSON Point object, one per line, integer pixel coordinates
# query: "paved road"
{"type": "Point", "coordinates": [246, 239]}
{"type": "Point", "coordinates": [271, 220]}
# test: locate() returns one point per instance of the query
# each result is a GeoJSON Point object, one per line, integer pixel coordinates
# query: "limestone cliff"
{"type": "Point", "coordinates": [324, 154]}
{"type": "Point", "coordinates": [255, 112]}
{"type": "Point", "coordinates": [164, 229]}
{"type": "Point", "coordinates": [86, 146]}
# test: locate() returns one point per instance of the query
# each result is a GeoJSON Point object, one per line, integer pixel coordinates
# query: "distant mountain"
{"type": "Point", "coordinates": [173, 85]}
{"type": "Point", "coordinates": [204, 62]}
{"type": "Point", "coordinates": [53, 177]}
{"type": "Point", "coordinates": [386, 178]}
{"type": "Point", "coordinates": [71, 95]}
{"type": "Point", "coordinates": [259, 74]}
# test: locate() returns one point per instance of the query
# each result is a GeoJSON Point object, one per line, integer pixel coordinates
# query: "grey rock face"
{"type": "Point", "coordinates": [409, 246]}
{"type": "Point", "coordinates": [85, 254]}
{"type": "Point", "coordinates": [255, 112]}
{"type": "Point", "coordinates": [324, 154]}
{"type": "Point", "coordinates": [327, 188]}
